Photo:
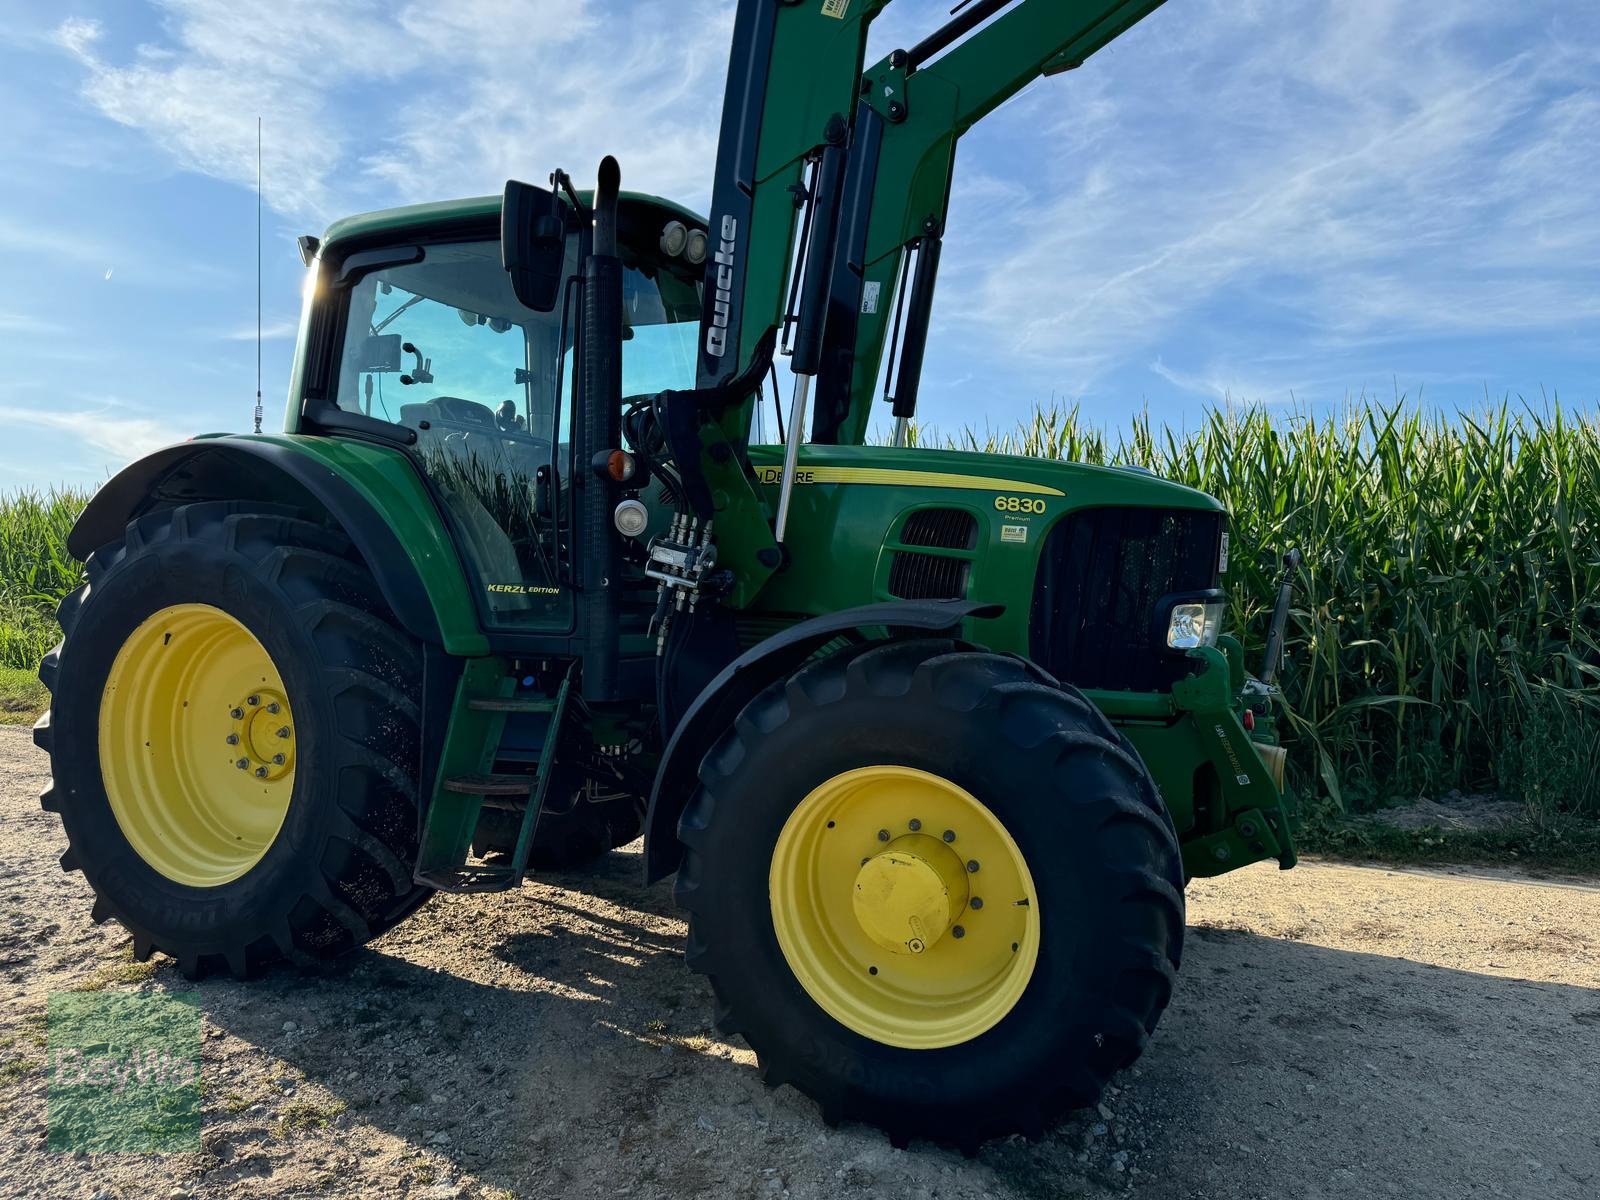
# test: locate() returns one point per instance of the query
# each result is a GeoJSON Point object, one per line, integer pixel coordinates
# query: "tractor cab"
{"type": "Point", "coordinates": [415, 336]}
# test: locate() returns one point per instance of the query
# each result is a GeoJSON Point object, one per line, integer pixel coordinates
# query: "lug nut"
{"type": "Point", "coordinates": [278, 760]}
{"type": "Point", "coordinates": [957, 931]}
{"type": "Point", "coordinates": [236, 713]}
{"type": "Point", "coordinates": [883, 835]}
{"type": "Point", "coordinates": [283, 732]}
{"type": "Point", "coordinates": [274, 708]}
{"type": "Point", "coordinates": [915, 825]}
{"type": "Point", "coordinates": [972, 866]}
{"type": "Point", "coordinates": [252, 701]}
{"type": "Point", "coordinates": [243, 764]}
{"type": "Point", "coordinates": [976, 903]}
{"type": "Point", "coordinates": [233, 739]}
{"type": "Point", "coordinates": [261, 772]}
{"type": "Point", "coordinates": [949, 835]}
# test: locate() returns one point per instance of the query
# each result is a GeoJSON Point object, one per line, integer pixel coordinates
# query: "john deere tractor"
{"type": "Point", "coordinates": [542, 561]}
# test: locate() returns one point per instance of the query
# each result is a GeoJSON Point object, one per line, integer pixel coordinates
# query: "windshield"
{"type": "Point", "coordinates": [660, 334]}
{"type": "Point", "coordinates": [661, 322]}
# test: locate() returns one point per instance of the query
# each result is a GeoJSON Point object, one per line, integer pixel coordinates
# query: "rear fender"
{"type": "Point", "coordinates": [371, 492]}
{"type": "Point", "coordinates": [779, 656]}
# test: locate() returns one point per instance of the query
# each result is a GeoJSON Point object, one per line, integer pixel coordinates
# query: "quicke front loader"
{"type": "Point", "coordinates": [932, 741]}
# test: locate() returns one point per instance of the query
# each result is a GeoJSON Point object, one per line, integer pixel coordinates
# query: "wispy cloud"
{"type": "Point", "coordinates": [28, 323]}
{"type": "Point", "coordinates": [460, 96]}
{"type": "Point", "coordinates": [1341, 175]}
{"type": "Point", "coordinates": [121, 438]}
{"type": "Point", "coordinates": [271, 331]}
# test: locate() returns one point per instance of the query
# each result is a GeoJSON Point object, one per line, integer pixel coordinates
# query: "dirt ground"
{"type": "Point", "coordinates": [1337, 1032]}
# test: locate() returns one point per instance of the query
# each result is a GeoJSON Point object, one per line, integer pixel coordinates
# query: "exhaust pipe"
{"type": "Point", "coordinates": [600, 395]}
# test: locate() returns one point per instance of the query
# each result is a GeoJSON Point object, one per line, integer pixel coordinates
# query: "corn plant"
{"type": "Point", "coordinates": [35, 570]}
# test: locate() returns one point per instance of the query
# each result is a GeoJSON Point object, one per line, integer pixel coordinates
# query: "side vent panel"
{"type": "Point", "coordinates": [947, 528]}
{"type": "Point", "coordinates": [928, 577]}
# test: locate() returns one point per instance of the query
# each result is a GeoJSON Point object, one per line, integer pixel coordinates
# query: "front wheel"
{"type": "Point", "coordinates": [934, 890]}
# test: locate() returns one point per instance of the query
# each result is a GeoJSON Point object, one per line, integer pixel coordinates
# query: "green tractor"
{"type": "Point", "coordinates": [932, 741]}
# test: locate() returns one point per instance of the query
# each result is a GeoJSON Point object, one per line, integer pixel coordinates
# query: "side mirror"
{"type": "Point", "coordinates": [533, 243]}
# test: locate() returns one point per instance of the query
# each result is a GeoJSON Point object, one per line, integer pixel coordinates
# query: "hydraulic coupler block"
{"type": "Point", "coordinates": [683, 564]}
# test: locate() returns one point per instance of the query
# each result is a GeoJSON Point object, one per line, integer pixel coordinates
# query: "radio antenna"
{"type": "Point", "coordinates": [258, 275]}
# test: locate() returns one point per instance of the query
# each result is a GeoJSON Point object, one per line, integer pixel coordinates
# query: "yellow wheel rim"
{"type": "Point", "coordinates": [197, 745]}
{"type": "Point", "coordinates": [904, 907]}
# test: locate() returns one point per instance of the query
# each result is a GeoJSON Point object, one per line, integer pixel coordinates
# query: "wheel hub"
{"type": "Point", "coordinates": [263, 730]}
{"type": "Point", "coordinates": [904, 907]}
{"type": "Point", "coordinates": [908, 895]}
{"type": "Point", "coordinates": [197, 745]}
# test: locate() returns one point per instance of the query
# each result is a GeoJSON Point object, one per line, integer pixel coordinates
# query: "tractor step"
{"type": "Point", "coordinates": [512, 704]}
{"type": "Point", "coordinates": [492, 785]}
{"type": "Point", "coordinates": [450, 824]}
{"type": "Point", "coordinates": [471, 879]}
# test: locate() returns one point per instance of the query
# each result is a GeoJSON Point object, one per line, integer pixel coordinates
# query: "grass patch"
{"type": "Point", "coordinates": [234, 1103]}
{"type": "Point", "coordinates": [16, 1070]}
{"type": "Point", "coordinates": [306, 1116]}
{"type": "Point", "coordinates": [117, 974]}
{"type": "Point", "coordinates": [22, 696]}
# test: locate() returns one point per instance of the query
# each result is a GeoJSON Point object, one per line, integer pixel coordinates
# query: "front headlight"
{"type": "Point", "coordinates": [1194, 624]}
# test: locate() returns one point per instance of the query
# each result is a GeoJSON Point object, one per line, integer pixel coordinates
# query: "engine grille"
{"type": "Point", "coordinates": [1101, 575]}
{"type": "Point", "coordinates": [950, 528]}
{"type": "Point", "coordinates": [928, 577]}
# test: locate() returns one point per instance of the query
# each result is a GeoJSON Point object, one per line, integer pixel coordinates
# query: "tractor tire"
{"type": "Point", "coordinates": [570, 838]}
{"type": "Point", "coordinates": [838, 827]}
{"type": "Point", "coordinates": [233, 736]}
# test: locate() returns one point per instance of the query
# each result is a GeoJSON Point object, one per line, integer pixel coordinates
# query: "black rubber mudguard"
{"type": "Point", "coordinates": [232, 468]}
{"type": "Point", "coordinates": [723, 698]}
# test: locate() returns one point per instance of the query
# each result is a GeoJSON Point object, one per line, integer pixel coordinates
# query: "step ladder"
{"type": "Point", "coordinates": [467, 785]}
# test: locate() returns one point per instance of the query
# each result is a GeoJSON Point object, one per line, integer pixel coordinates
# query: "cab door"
{"type": "Point", "coordinates": [431, 339]}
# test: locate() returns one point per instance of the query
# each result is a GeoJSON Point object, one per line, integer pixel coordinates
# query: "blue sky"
{"type": "Point", "coordinates": [1274, 203]}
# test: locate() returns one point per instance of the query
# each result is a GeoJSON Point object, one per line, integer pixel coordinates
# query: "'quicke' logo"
{"type": "Point", "coordinates": [722, 283]}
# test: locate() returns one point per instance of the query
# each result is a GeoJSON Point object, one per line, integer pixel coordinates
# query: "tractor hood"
{"type": "Point", "coordinates": [965, 470]}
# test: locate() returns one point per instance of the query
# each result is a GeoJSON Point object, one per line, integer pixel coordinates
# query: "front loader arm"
{"type": "Point", "coordinates": [912, 113]}
{"type": "Point", "coordinates": [792, 68]}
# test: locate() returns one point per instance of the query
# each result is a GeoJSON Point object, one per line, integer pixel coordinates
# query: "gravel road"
{"type": "Point", "coordinates": [1337, 1032]}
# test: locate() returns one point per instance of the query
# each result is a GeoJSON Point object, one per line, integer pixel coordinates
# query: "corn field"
{"type": "Point", "coordinates": [1447, 628]}
{"type": "Point", "coordinates": [35, 570]}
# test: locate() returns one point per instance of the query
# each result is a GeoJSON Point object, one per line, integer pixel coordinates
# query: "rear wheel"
{"type": "Point", "coordinates": [934, 890]}
{"type": "Point", "coordinates": [233, 735]}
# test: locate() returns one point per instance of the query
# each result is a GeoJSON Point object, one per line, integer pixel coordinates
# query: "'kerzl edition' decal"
{"type": "Point", "coordinates": [521, 589]}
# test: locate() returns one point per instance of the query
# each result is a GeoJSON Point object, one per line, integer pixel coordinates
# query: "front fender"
{"type": "Point", "coordinates": [373, 493]}
{"type": "Point", "coordinates": [738, 683]}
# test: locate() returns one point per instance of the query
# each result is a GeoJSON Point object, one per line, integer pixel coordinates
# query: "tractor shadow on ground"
{"type": "Point", "coordinates": [1283, 1068]}
{"type": "Point", "coordinates": [571, 1053]}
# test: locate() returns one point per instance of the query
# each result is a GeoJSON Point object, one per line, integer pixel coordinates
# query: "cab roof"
{"type": "Point", "coordinates": [474, 208]}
